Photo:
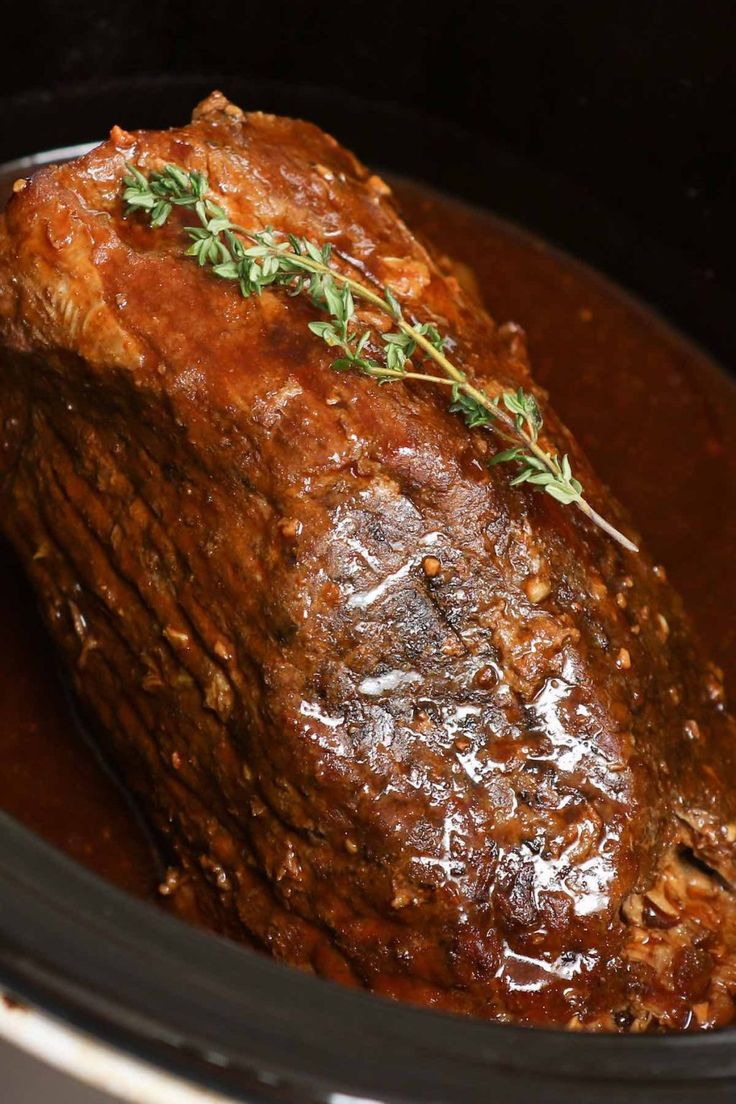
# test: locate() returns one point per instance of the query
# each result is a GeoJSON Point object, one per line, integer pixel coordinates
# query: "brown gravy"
{"type": "Point", "coordinates": [654, 413]}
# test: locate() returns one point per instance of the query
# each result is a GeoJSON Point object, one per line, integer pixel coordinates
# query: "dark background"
{"type": "Point", "coordinates": [608, 127]}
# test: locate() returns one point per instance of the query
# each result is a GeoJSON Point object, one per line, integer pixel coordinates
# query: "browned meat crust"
{"type": "Point", "coordinates": [444, 787]}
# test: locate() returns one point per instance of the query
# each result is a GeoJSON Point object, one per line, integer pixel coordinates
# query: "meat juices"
{"type": "Point", "coordinates": [502, 786]}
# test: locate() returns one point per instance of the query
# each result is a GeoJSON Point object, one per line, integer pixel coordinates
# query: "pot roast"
{"type": "Point", "coordinates": [397, 721]}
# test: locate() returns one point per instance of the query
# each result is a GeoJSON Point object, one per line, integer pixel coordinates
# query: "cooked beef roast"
{"type": "Point", "coordinates": [401, 723]}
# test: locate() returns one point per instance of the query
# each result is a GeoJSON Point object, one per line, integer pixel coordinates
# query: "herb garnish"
{"type": "Point", "coordinates": [258, 259]}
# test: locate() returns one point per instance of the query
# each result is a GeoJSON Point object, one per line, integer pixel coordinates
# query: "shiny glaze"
{"type": "Point", "coordinates": [52, 781]}
{"type": "Point", "coordinates": [491, 735]}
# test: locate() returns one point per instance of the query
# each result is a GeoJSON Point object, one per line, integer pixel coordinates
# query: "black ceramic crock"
{"type": "Point", "coordinates": [186, 1001]}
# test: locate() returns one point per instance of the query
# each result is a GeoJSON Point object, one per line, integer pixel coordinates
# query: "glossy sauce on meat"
{"type": "Point", "coordinates": [659, 437]}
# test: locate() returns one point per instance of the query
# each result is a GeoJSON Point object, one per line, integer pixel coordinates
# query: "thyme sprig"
{"type": "Point", "coordinates": [259, 259]}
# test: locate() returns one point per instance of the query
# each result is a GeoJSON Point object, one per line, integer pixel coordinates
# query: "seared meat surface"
{"type": "Point", "coordinates": [401, 723]}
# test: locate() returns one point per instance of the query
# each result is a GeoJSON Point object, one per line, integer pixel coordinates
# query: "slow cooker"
{"type": "Point", "coordinates": [606, 130]}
